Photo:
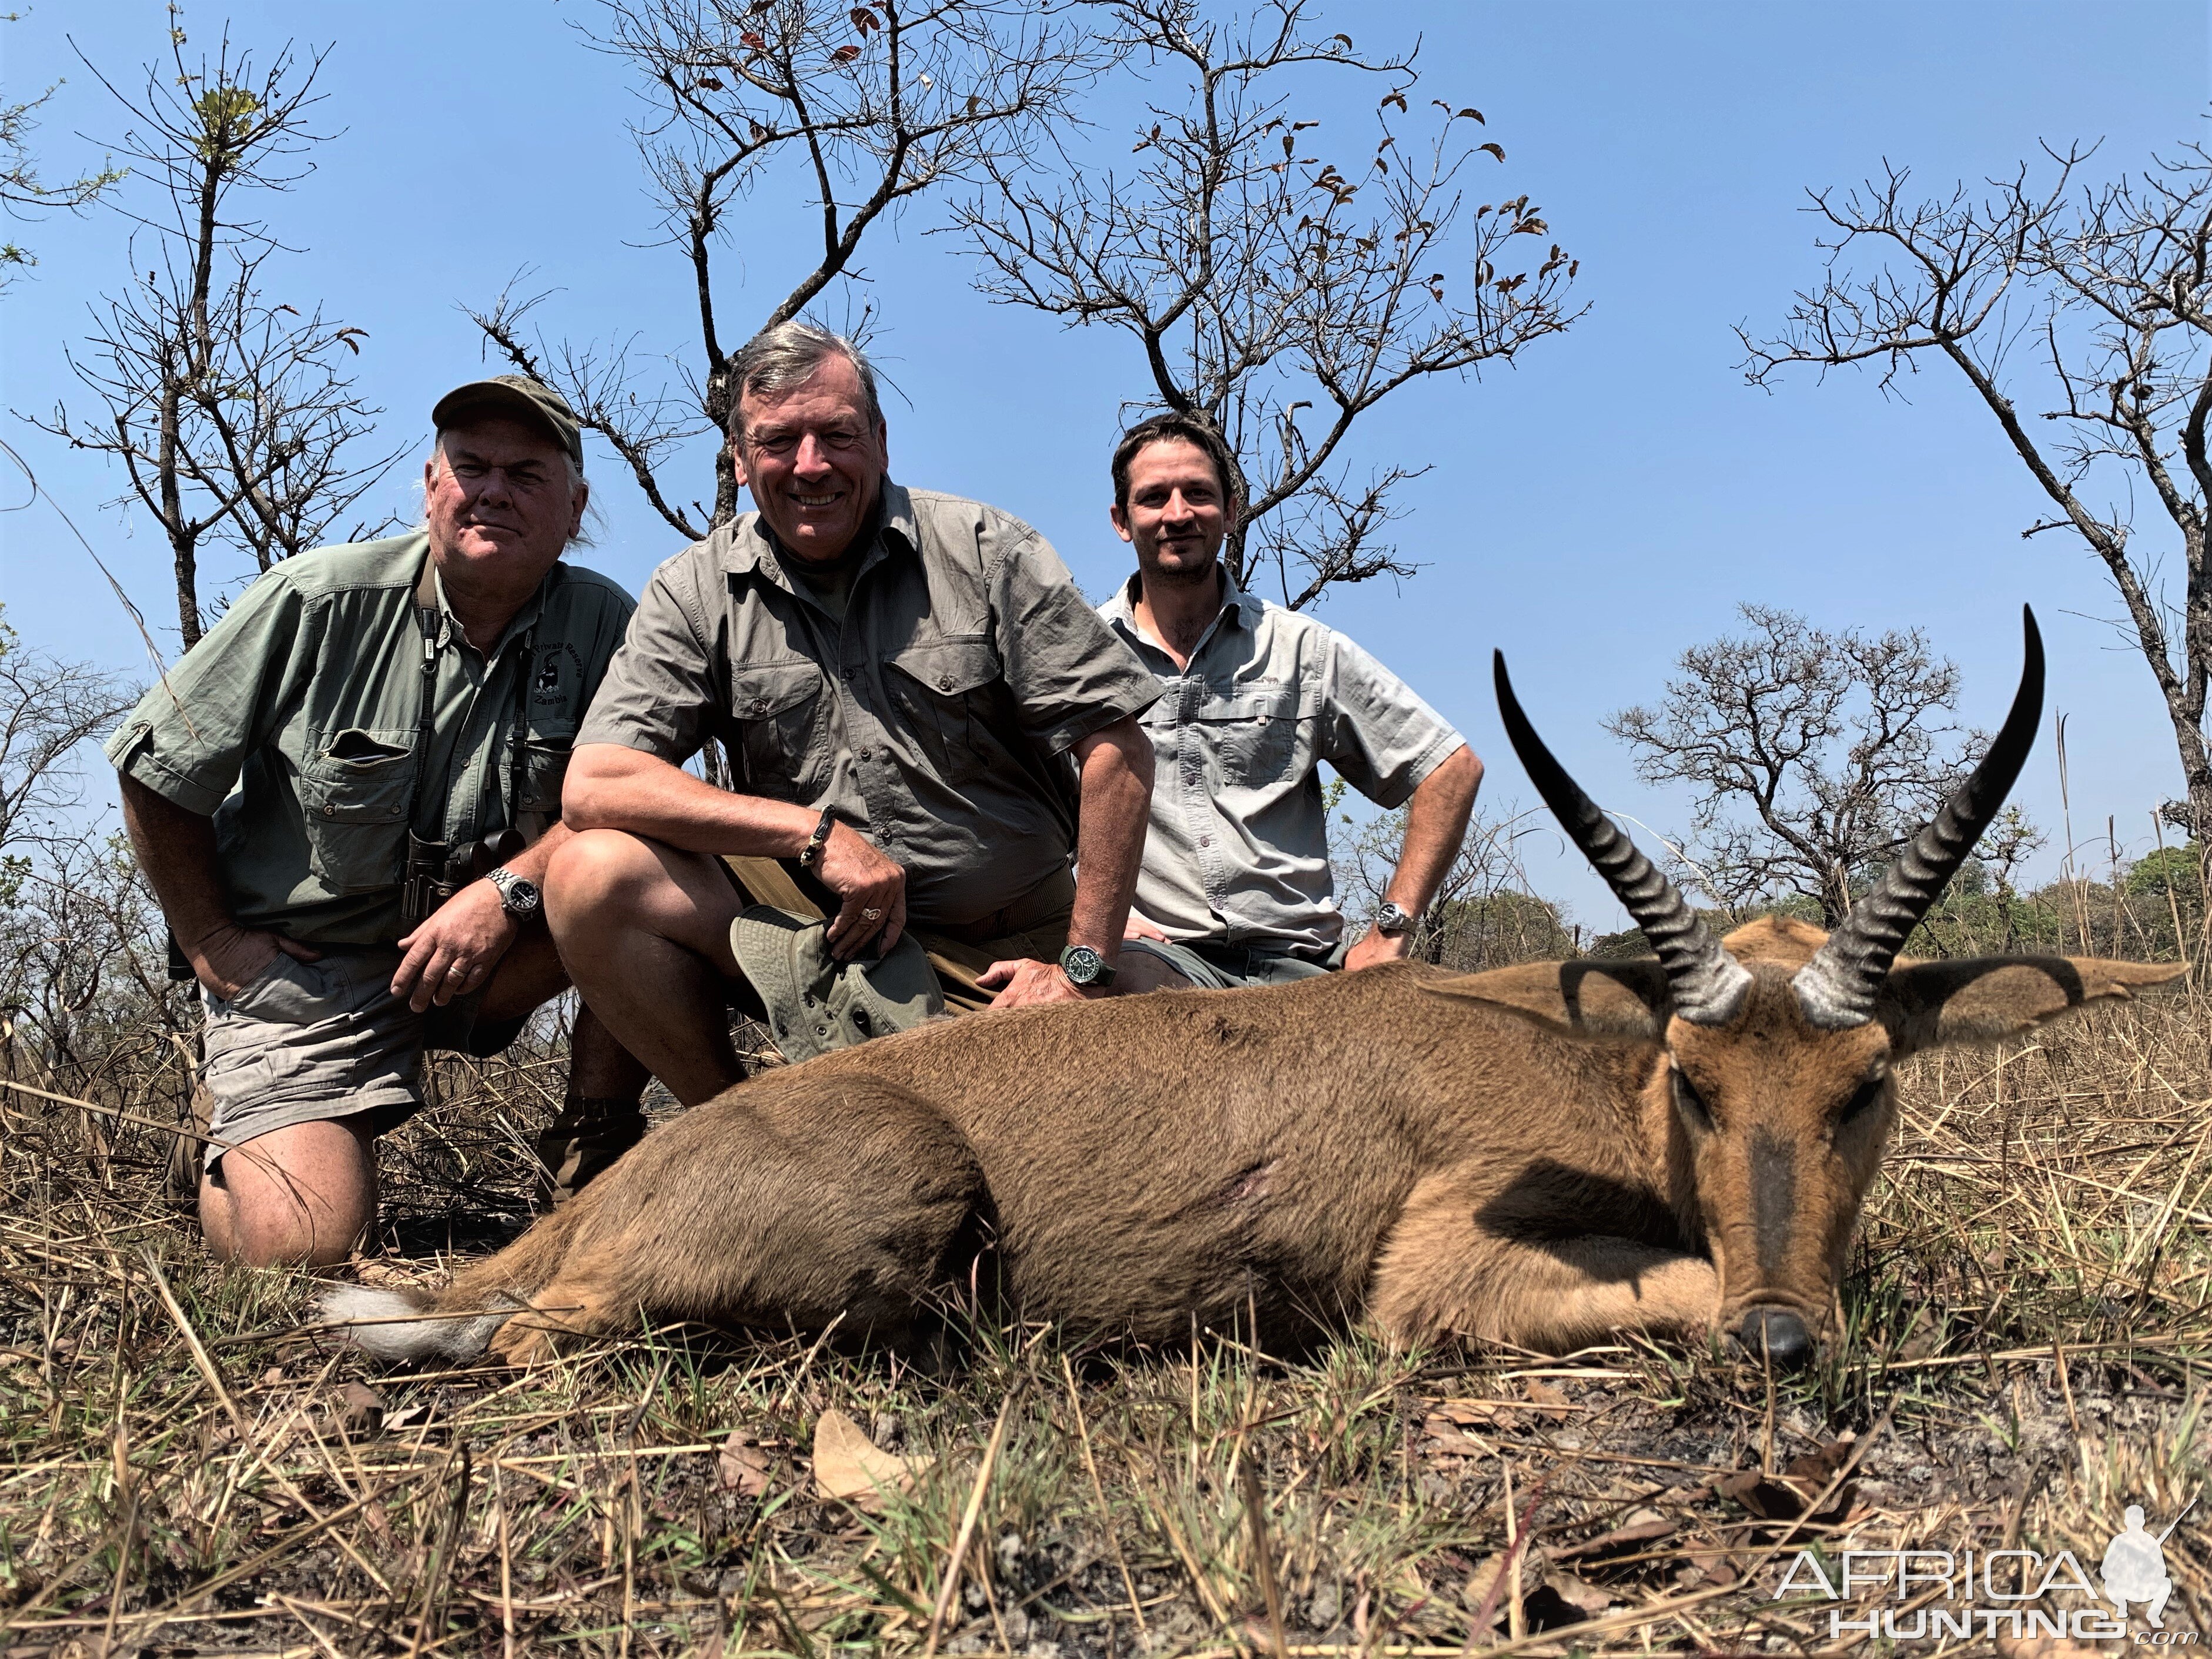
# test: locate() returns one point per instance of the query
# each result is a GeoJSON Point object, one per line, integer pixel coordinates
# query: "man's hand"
{"type": "Point", "coordinates": [228, 958]}
{"type": "Point", "coordinates": [1379, 947]}
{"type": "Point", "coordinates": [1141, 926]}
{"type": "Point", "coordinates": [455, 951]}
{"type": "Point", "coordinates": [1025, 980]}
{"type": "Point", "coordinates": [871, 888]}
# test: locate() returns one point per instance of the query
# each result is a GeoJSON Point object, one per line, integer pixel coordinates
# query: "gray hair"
{"type": "Point", "coordinates": [788, 355]}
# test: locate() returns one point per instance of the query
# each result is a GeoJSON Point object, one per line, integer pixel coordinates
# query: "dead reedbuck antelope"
{"type": "Point", "coordinates": [1538, 1155]}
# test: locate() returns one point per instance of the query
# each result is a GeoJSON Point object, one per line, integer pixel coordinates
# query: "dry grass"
{"type": "Point", "coordinates": [185, 1472]}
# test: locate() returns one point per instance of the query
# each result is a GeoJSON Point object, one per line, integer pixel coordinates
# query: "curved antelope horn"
{"type": "Point", "coordinates": [1708, 983]}
{"type": "Point", "coordinates": [1838, 987]}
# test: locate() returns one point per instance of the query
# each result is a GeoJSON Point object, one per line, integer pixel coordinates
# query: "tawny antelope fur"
{"type": "Point", "coordinates": [1539, 1155]}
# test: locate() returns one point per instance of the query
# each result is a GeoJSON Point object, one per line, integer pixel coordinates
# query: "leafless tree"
{"type": "Point", "coordinates": [873, 105]}
{"type": "Point", "coordinates": [1483, 913]}
{"type": "Point", "coordinates": [2093, 302]}
{"type": "Point", "coordinates": [48, 708]}
{"type": "Point", "coordinates": [1811, 756]}
{"type": "Point", "coordinates": [234, 414]}
{"type": "Point", "coordinates": [23, 194]}
{"type": "Point", "coordinates": [1284, 293]}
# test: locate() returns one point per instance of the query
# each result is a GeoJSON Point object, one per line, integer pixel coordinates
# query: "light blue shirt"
{"type": "Point", "coordinates": [1239, 846]}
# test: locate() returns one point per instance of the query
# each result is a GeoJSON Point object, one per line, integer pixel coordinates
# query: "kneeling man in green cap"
{"type": "Point", "coordinates": [345, 797]}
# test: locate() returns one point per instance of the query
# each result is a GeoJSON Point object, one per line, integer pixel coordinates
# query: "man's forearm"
{"type": "Point", "coordinates": [611, 787]}
{"type": "Point", "coordinates": [1435, 824]}
{"type": "Point", "coordinates": [1116, 810]}
{"type": "Point", "coordinates": [176, 848]}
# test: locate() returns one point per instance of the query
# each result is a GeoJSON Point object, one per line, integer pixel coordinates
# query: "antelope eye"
{"type": "Point", "coordinates": [1862, 1100]}
{"type": "Point", "coordinates": [1689, 1102]}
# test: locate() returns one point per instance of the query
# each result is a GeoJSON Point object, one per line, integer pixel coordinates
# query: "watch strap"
{"type": "Point", "coordinates": [811, 855]}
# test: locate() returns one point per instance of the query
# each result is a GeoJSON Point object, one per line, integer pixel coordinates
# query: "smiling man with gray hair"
{"type": "Point", "coordinates": [918, 710]}
{"type": "Point", "coordinates": [345, 796]}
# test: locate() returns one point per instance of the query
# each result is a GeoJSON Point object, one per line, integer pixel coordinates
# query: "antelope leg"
{"type": "Point", "coordinates": [836, 1203]}
{"type": "Point", "coordinates": [1443, 1274]}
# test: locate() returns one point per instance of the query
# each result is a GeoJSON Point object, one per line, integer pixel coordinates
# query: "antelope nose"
{"type": "Point", "coordinates": [1778, 1334]}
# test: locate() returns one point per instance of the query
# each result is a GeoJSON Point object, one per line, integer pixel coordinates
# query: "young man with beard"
{"type": "Point", "coordinates": [1236, 887]}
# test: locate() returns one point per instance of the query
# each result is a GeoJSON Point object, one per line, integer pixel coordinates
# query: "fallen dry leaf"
{"type": "Point", "coordinates": [1541, 1393]}
{"type": "Point", "coordinates": [742, 1466]}
{"type": "Point", "coordinates": [361, 1409]}
{"type": "Point", "coordinates": [849, 1464]}
{"type": "Point", "coordinates": [1784, 1497]}
{"type": "Point", "coordinates": [1578, 1593]}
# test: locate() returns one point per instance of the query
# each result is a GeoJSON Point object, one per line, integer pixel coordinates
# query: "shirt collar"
{"type": "Point", "coordinates": [1237, 607]}
{"type": "Point", "coordinates": [748, 545]}
{"type": "Point", "coordinates": [449, 625]}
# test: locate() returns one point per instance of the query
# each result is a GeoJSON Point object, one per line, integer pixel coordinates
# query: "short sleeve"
{"type": "Point", "coordinates": [188, 739]}
{"type": "Point", "coordinates": [659, 695]}
{"type": "Point", "coordinates": [1069, 673]}
{"type": "Point", "coordinates": [1377, 734]}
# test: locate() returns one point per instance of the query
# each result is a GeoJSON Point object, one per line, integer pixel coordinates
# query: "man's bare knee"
{"type": "Point", "coordinates": [600, 875]}
{"type": "Point", "coordinates": [302, 1195]}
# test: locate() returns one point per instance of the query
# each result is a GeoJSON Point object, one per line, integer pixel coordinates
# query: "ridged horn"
{"type": "Point", "coordinates": [1707, 982]}
{"type": "Point", "coordinates": [1838, 987]}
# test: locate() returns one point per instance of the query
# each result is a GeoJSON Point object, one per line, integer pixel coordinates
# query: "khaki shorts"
{"type": "Point", "coordinates": [311, 1041]}
{"type": "Point", "coordinates": [1033, 925]}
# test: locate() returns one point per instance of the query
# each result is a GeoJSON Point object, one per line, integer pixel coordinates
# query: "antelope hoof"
{"type": "Point", "coordinates": [1778, 1334]}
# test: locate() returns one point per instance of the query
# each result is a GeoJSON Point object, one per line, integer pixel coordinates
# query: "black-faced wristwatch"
{"type": "Point", "coordinates": [1392, 920]}
{"type": "Point", "coordinates": [1084, 966]}
{"type": "Point", "coordinates": [518, 895]}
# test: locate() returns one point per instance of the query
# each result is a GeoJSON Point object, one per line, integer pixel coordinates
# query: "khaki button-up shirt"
{"type": "Point", "coordinates": [294, 724]}
{"type": "Point", "coordinates": [935, 718]}
{"type": "Point", "coordinates": [1239, 848]}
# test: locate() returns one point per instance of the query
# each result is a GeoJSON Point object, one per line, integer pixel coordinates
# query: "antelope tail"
{"type": "Point", "coordinates": [405, 1328]}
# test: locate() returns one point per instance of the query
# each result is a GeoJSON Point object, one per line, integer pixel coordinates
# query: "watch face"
{"type": "Point", "coordinates": [520, 893]}
{"type": "Point", "coordinates": [1081, 963]}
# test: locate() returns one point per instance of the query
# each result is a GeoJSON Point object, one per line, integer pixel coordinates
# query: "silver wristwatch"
{"type": "Point", "coordinates": [1392, 920]}
{"type": "Point", "coordinates": [518, 895]}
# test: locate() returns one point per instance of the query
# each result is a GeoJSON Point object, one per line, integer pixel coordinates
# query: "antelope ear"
{"type": "Point", "coordinates": [1927, 1005]}
{"type": "Point", "coordinates": [1617, 1000]}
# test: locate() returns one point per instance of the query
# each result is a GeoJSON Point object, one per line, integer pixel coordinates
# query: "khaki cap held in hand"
{"type": "Point", "coordinates": [519, 396]}
{"type": "Point", "coordinates": [816, 1004]}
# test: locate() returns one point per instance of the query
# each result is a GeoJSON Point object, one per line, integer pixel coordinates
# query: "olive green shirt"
{"type": "Point", "coordinates": [293, 724]}
{"type": "Point", "coordinates": [934, 716]}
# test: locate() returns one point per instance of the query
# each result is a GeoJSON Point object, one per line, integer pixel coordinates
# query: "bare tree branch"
{"type": "Point", "coordinates": [1284, 293]}
{"type": "Point", "coordinates": [1811, 756]}
{"type": "Point", "coordinates": [234, 416]}
{"type": "Point", "coordinates": [874, 104]}
{"type": "Point", "coordinates": [2112, 282]}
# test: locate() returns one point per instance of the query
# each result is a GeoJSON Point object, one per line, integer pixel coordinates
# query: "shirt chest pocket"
{"type": "Point", "coordinates": [1262, 733]}
{"type": "Point", "coordinates": [778, 709]}
{"type": "Point", "coordinates": [544, 770]}
{"type": "Point", "coordinates": [355, 786]}
{"type": "Point", "coordinates": [945, 690]}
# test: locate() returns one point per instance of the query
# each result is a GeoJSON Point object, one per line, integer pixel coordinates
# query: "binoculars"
{"type": "Point", "coordinates": [437, 870]}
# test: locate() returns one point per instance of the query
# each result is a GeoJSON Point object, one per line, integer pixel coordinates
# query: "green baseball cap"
{"type": "Point", "coordinates": [519, 396]}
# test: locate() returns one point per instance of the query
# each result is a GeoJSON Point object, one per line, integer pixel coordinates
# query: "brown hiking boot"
{"type": "Point", "coordinates": [578, 1145]}
{"type": "Point", "coordinates": [181, 1182]}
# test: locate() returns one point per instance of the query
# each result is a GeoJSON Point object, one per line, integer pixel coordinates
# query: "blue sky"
{"type": "Point", "coordinates": [1593, 511]}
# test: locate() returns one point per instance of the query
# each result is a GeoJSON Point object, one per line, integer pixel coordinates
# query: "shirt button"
{"type": "Point", "coordinates": [330, 811]}
{"type": "Point", "coordinates": [1206, 841]}
{"type": "Point", "coordinates": [944, 682]}
{"type": "Point", "coordinates": [867, 754]}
